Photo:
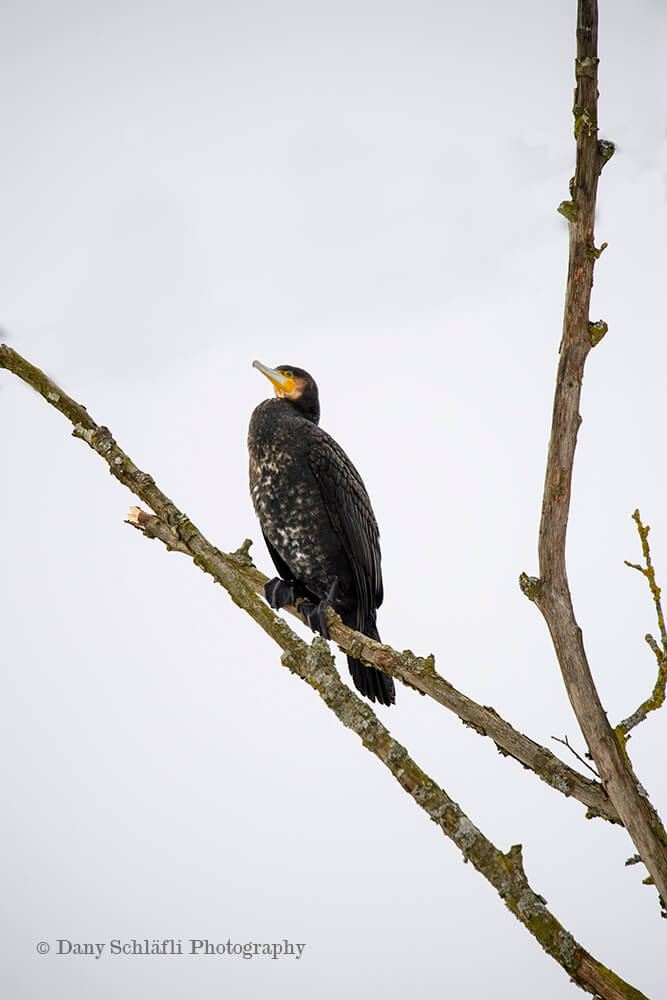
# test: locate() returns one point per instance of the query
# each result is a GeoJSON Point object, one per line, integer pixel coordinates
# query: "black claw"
{"type": "Point", "coordinates": [315, 615]}
{"type": "Point", "coordinates": [279, 593]}
{"type": "Point", "coordinates": [322, 619]}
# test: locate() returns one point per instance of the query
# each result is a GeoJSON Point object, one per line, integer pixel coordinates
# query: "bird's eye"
{"type": "Point", "coordinates": [288, 374]}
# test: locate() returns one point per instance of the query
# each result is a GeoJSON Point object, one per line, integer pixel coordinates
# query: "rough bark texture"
{"type": "Point", "coordinates": [551, 593]}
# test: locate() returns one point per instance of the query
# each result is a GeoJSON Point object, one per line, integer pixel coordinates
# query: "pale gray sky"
{"type": "Point", "coordinates": [366, 190]}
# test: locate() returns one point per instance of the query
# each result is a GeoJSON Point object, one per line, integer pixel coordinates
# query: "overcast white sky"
{"type": "Point", "coordinates": [367, 190]}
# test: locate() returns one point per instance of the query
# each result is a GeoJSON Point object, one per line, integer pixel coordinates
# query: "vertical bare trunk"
{"type": "Point", "coordinates": [552, 593]}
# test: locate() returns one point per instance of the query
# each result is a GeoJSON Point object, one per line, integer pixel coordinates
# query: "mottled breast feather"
{"type": "Point", "coordinates": [286, 497]}
{"type": "Point", "coordinates": [313, 506]}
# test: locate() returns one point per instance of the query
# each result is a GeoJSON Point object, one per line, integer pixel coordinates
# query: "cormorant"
{"type": "Point", "coordinates": [316, 518]}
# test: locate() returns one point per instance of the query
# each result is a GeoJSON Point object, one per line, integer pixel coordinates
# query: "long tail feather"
{"type": "Point", "coordinates": [372, 683]}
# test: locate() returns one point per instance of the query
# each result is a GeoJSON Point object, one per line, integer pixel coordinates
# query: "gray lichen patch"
{"type": "Point", "coordinates": [529, 904]}
{"type": "Point", "coordinates": [86, 433]}
{"type": "Point", "coordinates": [568, 949]}
{"type": "Point", "coordinates": [466, 834]}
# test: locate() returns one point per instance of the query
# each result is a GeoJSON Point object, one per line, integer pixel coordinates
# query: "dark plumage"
{"type": "Point", "coordinates": [316, 518]}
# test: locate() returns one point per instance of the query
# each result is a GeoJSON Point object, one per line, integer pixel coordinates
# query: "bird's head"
{"type": "Point", "coordinates": [294, 385]}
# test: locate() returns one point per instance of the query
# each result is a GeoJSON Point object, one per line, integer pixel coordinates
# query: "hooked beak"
{"type": "Point", "coordinates": [283, 385]}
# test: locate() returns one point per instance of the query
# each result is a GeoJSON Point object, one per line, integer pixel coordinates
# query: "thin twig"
{"type": "Point", "coordinates": [649, 572]}
{"type": "Point", "coordinates": [566, 743]}
{"type": "Point", "coordinates": [657, 697]}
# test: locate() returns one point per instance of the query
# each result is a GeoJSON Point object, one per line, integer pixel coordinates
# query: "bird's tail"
{"type": "Point", "coordinates": [372, 683]}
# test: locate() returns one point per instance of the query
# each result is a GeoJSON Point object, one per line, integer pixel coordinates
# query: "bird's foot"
{"type": "Point", "coordinates": [315, 615]}
{"type": "Point", "coordinates": [279, 593]}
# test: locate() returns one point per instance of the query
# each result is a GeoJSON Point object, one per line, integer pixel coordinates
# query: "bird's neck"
{"type": "Point", "coordinates": [307, 408]}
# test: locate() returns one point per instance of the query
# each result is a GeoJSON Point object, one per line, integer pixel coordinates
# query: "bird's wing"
{"type": "Point", "coordinates": [351, 514]}
{"type": "Point", "coordinates": [283, 569]}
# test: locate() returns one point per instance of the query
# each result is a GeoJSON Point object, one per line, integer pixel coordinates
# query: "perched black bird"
{"type": "Point", "coordinates": [316, 518]}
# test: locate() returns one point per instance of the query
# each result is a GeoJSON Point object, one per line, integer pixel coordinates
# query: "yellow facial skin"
{"type": "Point", "coordinates": [284, 382]}
{"type": "Point", "coordinates": [289, 389]}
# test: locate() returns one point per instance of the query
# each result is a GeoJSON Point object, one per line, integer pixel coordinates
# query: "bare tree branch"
{"type": "Point", "coordinates": [657, 696]}
{"type": "Point", "coordinates": [315, 665]}
{"type": "Point", "coordinates": [551, 592]}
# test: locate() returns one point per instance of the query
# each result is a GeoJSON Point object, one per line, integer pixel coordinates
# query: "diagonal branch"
{"type": "Point", "coordinates": [238, 576]}
{"type": "Point", "coordinates": [314, 664]}
{"type": "Point", "coordinates": [551, 592]}
{"type": "Point", "coordinates": [420, 673]}
{"type": "Point", "coordinates": [657, 696]}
